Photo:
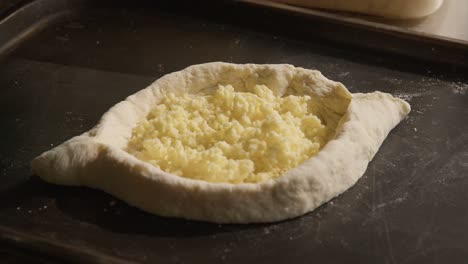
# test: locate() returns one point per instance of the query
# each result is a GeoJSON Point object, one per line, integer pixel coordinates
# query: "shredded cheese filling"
{"type": "Point", "coordinates": [229, 136]}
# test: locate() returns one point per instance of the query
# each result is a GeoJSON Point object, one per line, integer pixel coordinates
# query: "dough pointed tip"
{"type": "Point", "coordinates": [47, 168]}
{"type": "Point", "coordinates": [405, 106]}
{"type": "Point", "coordinates": [63, 164]}
{"type": "Point", "coordinates": [38, 166]}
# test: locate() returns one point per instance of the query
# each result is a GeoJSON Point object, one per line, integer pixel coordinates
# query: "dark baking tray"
{"type": "Point", "coordinates": [64, 63]}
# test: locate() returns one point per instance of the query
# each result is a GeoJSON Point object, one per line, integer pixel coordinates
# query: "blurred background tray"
{"type": "Point", "coordinates": [449, 22]}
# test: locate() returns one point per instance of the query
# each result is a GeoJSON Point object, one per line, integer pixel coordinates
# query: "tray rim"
{"type": "Point", "coordinates": [419, 46]}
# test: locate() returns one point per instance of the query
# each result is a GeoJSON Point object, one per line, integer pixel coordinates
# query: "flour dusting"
{"type": "Point", "coordinates": [459, 88]}
{"type": "Point", "coordinates": [408, 96]}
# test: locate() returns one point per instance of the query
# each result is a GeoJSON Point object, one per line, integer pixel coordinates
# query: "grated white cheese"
{"type": "Point", "coordinates": [229, 136]}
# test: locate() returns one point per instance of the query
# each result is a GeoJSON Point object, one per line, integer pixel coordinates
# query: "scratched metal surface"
{"type": "Point", "coordinates": [409, 207]}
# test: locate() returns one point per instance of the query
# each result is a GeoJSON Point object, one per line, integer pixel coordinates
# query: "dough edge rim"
{"type": "Point", "coordinates": [290, 195]}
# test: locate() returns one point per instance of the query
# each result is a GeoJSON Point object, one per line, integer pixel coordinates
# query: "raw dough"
{"type": "Point", "coordinates": [97, 158]}
{"type": "Point", "coordinates": [405, 9]}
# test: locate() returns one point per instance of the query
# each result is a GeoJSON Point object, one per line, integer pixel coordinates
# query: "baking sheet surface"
{"type": "Point", "coordinates": [409, 207]}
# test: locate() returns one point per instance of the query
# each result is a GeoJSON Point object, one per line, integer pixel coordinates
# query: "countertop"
{"type": "Point", "coordinates": [450, 21]}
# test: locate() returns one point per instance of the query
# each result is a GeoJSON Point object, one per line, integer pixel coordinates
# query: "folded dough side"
{"type": "Point", "coordinates": [85, 161]}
